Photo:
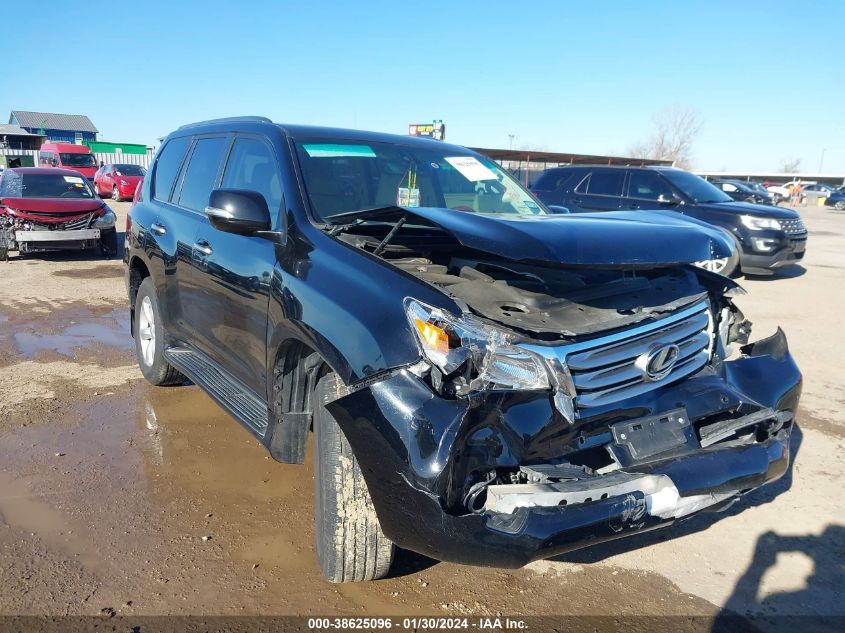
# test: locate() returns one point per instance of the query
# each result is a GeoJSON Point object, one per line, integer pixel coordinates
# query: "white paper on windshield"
{"type": "Point", "coordinates": [470, 168]}
{"type": "Point", "coordinates": [74, 179]}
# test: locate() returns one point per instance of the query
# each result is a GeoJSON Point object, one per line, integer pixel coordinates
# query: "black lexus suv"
{"type": "Point", "coordinates": [766, 237]}
{"type": "Point", "coordinates": [487, 382]}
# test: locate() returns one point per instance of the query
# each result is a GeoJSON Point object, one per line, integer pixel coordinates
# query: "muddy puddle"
{"type": "Point", "coordinates": [66, 330]}
{"type": "Point", "coordinates": [153, 500]}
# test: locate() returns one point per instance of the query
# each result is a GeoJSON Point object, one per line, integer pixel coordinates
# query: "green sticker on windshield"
{"type": "Point", "coordinates": [332, 150]}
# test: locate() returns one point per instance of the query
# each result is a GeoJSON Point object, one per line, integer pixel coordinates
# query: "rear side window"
{"type": "Point", "coordinates": [202, 172]}
{"type": "Point", "coordinates": [251, 166]}
{"type": "Point", "coordinates": [167, 165]}
{"type": "Point", "coordinates": [648, 185]}
{"type": "Point", "coordinates": [602, 182]}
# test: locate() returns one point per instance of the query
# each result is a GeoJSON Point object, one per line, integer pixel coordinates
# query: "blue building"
{"type": "Point", "coordinates": [59, 128]}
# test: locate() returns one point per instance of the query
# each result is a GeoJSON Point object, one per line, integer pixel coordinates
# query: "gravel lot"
{"type": "Point", "coordinates": [115, 495]}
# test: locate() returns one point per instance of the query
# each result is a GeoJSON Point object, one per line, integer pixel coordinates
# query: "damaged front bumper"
{"type": "Point", "coordinates": [425, 459]}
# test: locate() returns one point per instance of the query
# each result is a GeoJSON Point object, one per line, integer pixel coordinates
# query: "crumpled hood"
{"type": "Point", "coordinates": [52, 210]}
{"type": "Point", "coordinates": [612, 239]}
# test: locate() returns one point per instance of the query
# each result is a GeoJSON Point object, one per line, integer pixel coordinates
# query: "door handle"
{"type": "Point", "coordinates": [635, 205]}
{"type": "Point", "coordinates": [158, 229]}
{"type": "Point", "coordinates": [203, 247]}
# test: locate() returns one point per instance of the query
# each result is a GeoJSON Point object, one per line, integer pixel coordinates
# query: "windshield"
{"type": "Point", "coordinates": [77, 160]}
{"type": "Point", "coordinates": [17, 185]}
{"type": "Point", "coordinates": [696, 187]}
{"type": "Point", "coordinates": [342, 176]}
{"type": "Point", "coordinates": [129, 170]}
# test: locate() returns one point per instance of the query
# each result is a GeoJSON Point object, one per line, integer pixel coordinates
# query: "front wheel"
{"type": "Point", "coordinates": [115, 194]}
{"type": "Point", "coordinates": [150, 337]}
{"type": "Point", "coordinates": [840, 205]}
{"type": "Point", "coordinates": [350, 544]}
{"type": "Point", "coordinates": [727, 266]}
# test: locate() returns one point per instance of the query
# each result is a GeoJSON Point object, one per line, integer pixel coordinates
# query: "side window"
{"type": "Point", "coordinates": [647, 185]}
{"type": "Point", "coordinates": [251, 166]}
{"type": "Point", "coordinates": [553, 179]}
{"type": "Point", "coordinates": [606, 182]}
{"type": "Point", "coordinates": [167, 165]}
{"type": "Point", "coordinates": [202, 172]}
{"type": "Point", "coordinates": [726, 186]}
{"type": "Point", "coordinates": [582, 186]}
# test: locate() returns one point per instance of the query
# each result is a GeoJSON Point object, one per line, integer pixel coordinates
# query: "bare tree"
{"type": "Point", "coordinates": [675, 129]}
{"type": "Point", "coordinates": [791, 166]}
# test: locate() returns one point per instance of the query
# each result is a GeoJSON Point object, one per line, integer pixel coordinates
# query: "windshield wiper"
{"type": "Point", "coordinates": [343, 221]}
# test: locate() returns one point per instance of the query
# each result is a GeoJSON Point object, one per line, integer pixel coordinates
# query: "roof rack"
{"type": "Point", "coordinates": [231, 119]}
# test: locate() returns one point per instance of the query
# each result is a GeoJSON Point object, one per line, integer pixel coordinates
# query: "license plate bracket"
{"type": "Point", "coordinates": [637, 440]}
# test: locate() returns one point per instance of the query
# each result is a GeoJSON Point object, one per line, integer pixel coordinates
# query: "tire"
{"type": "Point", "coordinates": [840, 205]}
{"type": "Point", "coordinates": [350, 544]}
{"type": "Point", "coordinates": [149, 338]}
{"type": "Point", "coordinates": [731, 269]}
{"type": "Point", "coordinates": [115, 194]}
{"type": "Point", "coordinates": [108, 242]}
{"type": "Point", "coordinates": [727, 266]}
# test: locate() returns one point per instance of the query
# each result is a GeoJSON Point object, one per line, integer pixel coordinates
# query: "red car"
{"type": "Point", "coordinates": [48, 209]}
{"type": "Point", "coordinates": [118, 180]}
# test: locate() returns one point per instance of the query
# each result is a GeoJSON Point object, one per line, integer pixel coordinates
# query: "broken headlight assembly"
{"type": "Point", "coordinates": [105, 221]}
{"type": "Point", "coordinates": [477, 356]}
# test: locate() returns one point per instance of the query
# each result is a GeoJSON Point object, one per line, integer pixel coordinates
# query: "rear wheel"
{"type": "Point", "coordinates": [350, 544]}
{"type": "Point", "coordinates": [150, 337]}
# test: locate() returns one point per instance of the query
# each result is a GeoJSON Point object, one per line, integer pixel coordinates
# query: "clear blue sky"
{"type": "Point", "coordinates": [767, 77]}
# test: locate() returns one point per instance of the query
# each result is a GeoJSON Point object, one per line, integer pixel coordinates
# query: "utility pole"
{"type": "Point", "coordinates": [511, 137]}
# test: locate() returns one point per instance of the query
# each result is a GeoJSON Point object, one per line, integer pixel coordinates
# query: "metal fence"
{"type": "Point", "coordinates": [134, 159]}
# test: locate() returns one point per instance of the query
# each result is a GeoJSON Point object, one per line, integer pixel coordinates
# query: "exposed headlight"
{"type": "Point", "coordinates": [124, 183]}
{"type": "Point", "coordinates": [450, 343]}
{"type": "Point", "coordinates": [756, 223]}
{"type": "Point", "coordinates": [105, 221]}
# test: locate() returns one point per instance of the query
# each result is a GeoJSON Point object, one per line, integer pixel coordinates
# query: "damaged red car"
{"type": "Point", "coordinates": [49, 209]}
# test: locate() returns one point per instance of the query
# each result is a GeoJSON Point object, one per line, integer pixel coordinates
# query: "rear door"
{"type": "Point", "coordinates": [184, 165]}
{"type": "Point", "coordinates": [233, 272]}
{"type": "Point", "coordinates": [599, 190]}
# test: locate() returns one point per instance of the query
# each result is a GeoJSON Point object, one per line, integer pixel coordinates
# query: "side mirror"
{"type": "Point", "coordinates": [669, 201]}
{"type": "Point", "coordinates": [554, 208]}
{"type": "Point", "coordinates": [238, 211]}
{"type": "Point", "coordinates": [54, 162]}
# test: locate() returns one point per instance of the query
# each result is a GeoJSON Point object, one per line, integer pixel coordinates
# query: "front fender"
{"type": "Point", "coordinates": [344, 304]}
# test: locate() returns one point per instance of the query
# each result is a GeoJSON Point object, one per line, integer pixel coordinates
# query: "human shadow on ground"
{"type": "Point", "coordinates": [817, 606]}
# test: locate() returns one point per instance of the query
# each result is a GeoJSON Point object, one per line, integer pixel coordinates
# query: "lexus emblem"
{"type": "Point", "coordinates": [656, 363]}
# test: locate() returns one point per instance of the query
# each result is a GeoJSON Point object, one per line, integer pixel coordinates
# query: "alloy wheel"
{"type": "Point", "coordinates": [714, 265]}
{"type": "Point", "coordinates": [147, 332]}
{"type": "Point", "coordinates": [115, 194]}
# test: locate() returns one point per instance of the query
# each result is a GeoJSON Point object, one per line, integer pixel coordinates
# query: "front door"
{"type": "Point", "coordinates": [646, 189]}
{"type": "Point", "coordinates": [233, 272]}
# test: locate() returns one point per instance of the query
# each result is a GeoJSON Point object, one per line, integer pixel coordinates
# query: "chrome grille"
{"type": "Point", "coordinates": [604, 370]}
{"type": "Point", "coordinates": [79, 223]}
{"type": "Point", "coordinates": [793, 226]}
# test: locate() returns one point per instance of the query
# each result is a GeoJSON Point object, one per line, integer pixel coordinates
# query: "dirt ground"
{"type": "Point", "coordinates": [118, 497]}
